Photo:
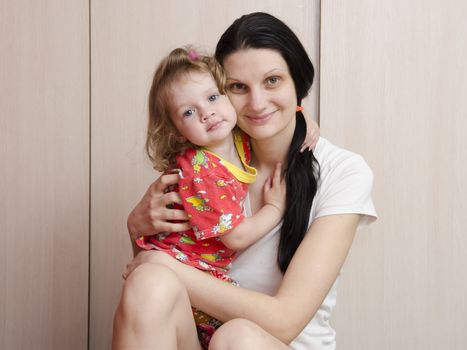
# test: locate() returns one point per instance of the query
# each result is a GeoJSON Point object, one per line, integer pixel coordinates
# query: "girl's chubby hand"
{"type": "Point", "coordinates": [312, 133]}
{"type": "Point", "coordinates": [275, 190]}
{"type": "Point", "coordinates": [153, 213]}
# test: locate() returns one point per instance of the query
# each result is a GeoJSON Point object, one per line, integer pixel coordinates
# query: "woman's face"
{"type": "Point", "coordinates": [262, 92]}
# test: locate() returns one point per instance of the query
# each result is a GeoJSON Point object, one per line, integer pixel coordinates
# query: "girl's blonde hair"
{"type": "Point", "coordinates": [163, 139]}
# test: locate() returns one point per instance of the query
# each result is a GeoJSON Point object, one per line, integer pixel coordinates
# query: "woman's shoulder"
{"type": "Point", "coordinates": [331, 158]}
{"type": "Point", "coordinates": [345, 182]}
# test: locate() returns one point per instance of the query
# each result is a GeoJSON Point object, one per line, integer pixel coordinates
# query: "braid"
{"type": "Point", "coordinates": [301, 174]}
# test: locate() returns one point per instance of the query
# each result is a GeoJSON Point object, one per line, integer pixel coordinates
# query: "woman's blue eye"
{"type": "Point", "coordinates": [213, 98]}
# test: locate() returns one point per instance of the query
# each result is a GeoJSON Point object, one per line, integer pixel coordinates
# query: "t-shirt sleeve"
{"type": "Point", "coordinates": [214, 204]}
{"type": "Point", "coordinates": [346, 189]}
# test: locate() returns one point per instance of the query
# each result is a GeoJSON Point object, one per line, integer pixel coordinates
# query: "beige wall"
{"type": "Point", "coordinates": [394, 88]}
{"type": "Point", "coordinates": [393, 83]}
{"type": "Point", "coordinates": [44, 174]}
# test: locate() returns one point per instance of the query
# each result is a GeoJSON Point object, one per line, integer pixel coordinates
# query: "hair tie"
{"type": "Point", "coordinates": [193, 55]}
{"type": "Point", "coordinates": [299, 109]}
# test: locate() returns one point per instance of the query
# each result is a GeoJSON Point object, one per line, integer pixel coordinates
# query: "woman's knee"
{"type": "Point", "coordinates": [237, 334]}
{"type": "Point", "coordinates": [151, 285]}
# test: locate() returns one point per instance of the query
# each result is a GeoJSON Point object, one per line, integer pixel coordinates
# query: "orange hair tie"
{"type": "Point", "coordinates": [299, 109]}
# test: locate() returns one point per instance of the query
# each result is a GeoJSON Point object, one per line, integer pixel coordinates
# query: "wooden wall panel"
{"type": "Point", "coordinates": [393, 84]}
{"type": "Point", "coordinates": [44, 186]}
{"type": "Point", "coordinates": [393, 88]}
{"type": "Point", "coordinates": [128, 40]}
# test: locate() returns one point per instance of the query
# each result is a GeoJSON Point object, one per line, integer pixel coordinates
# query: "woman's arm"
{"type": "Point", "coordinates": [311, 273]}
{"type": "Point", "coordinates": [151, 215]}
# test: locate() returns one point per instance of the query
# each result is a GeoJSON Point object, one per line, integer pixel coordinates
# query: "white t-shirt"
{"type": "Point", "coordinates": [344, 187]}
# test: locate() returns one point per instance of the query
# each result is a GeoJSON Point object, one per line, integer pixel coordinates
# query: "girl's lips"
{"type": "Point", "coordinates": [214, 126]}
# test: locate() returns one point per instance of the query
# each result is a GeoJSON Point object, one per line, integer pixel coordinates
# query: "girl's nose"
{"type": "Point", "coordinates": [206, 115]}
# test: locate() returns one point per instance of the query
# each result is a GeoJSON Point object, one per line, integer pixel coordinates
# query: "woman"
{"type": "Point", "coordinates": [287, 278]}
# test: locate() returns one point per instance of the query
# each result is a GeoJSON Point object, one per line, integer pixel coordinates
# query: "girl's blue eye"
{"type": "Point", "coordinates": [213, 98]}
{"type": "Point", "coordinates": [188, 113]}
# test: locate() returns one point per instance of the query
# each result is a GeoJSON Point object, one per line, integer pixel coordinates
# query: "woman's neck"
{"type": "Point", "coordinates": [267, 152]}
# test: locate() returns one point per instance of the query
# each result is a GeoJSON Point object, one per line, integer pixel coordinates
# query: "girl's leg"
{"type": "Point", "coordinates": [154, 312]}
{"type": "Point", "coordinates": [241, 334]}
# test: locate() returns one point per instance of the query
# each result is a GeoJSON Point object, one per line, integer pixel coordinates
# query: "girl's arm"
{"type": "Point", "coordinates": [311, 273]}
{"type": "Point", "coordinates": [254, 227]}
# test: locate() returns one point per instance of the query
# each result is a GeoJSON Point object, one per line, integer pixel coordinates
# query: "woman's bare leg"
{"type": "Point", "coordinates": [154, 312]}
{"type": "Point", "coordinates": [240, 334]}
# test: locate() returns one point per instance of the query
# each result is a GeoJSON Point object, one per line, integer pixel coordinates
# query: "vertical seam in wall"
{"type": "Point", "coordinates": [89, 179]}
{"type": "Point", "coordinates": [319, 61]}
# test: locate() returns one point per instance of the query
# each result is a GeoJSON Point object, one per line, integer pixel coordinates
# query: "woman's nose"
{"type": "Point", "coordinates": [256, 100]}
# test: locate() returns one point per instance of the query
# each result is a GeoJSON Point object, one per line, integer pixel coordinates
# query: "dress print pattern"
{"type": "Point", "coordinates": [213, 198]}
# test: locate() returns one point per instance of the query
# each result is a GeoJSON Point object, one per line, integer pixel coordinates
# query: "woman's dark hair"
{"type": "Point", "coordinates": [260, 30]}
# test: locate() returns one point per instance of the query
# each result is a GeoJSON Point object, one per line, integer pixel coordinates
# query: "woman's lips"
{"type": "Point", "coordinates": [260, 119]}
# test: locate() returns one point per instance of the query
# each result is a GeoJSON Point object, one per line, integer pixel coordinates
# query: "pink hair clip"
{"type": "Point", "coordinates": [193, 55]}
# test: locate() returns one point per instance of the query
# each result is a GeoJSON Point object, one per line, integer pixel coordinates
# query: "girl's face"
{"type": "Point", "coordinates": [263, 93]}
{"type": "Point", "coordinates": [199, 112]}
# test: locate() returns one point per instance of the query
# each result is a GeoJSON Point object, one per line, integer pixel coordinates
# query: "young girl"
{"type": "Point", "coordinates": [192, 131]}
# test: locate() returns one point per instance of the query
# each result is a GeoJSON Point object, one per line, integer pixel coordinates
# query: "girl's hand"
{"type": "Point", "coordinates": [152, 215]}
{"type": "Point", "coordinates": [312, 133]}
{"type": "Point", "coordinates": [275, 190]}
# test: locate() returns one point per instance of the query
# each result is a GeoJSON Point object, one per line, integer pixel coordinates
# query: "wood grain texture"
{"type": "Point", "coordinates": [44, 207]}
{"type": "Point", "coordinates": [393, 88]}
{"type": "Point", "coordinates": [128, 40]}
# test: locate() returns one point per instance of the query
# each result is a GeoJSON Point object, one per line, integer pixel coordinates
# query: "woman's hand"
{"type": "Point", "coordinates": [144, 256]}
{"type": "Point", "coordinates": [151, 215]}
{"type": "Point", "coordinates": [147, 256]}
{"type": "Point", "coordinates": [312, 133]}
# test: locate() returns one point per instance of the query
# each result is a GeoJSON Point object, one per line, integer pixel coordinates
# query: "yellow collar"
{"type": "Point", "coordinates": [248, 175]}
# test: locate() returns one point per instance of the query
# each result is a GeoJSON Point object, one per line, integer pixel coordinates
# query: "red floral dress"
{"type": "Point", "coordinates": [213, 191]}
